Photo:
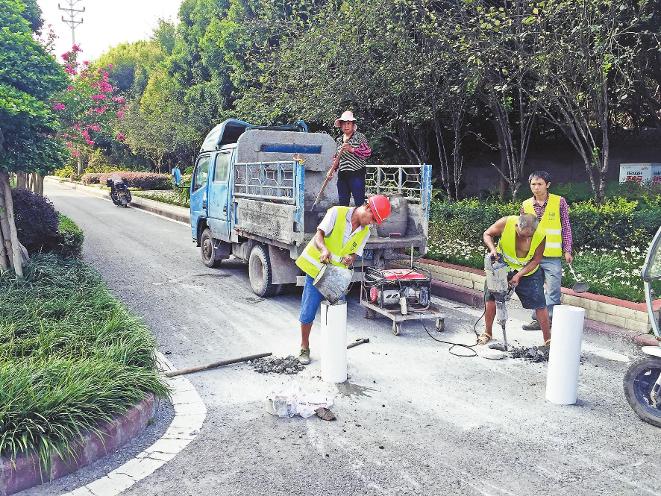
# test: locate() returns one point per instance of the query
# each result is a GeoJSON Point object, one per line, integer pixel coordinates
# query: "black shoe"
{"type": "Point", "coordinates": [533, 326]}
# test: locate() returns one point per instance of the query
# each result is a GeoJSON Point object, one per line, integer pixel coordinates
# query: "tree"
{"type": "Point", "coordinates": [88, 107]}
{"type": "Point", "coordinates": [590, 66]}
{"type": "Point", "coordinates": [29, 77]}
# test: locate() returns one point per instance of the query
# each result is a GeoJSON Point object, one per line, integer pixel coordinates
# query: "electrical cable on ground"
{"type": "Point", "coordinates": [470, 347]}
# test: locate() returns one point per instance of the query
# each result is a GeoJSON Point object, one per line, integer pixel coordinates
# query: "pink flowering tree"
{"type": "Point", "coordinates": [89, 107]}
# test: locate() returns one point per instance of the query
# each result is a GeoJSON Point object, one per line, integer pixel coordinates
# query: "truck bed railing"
{"type": "Point", "coordinates": [273, 181]}
{"type": "Point", "coordinates": [410, 181]}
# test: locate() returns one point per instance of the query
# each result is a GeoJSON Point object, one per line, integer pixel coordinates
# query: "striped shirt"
{"type": "Point", "coordinates": [353, 161]}
{"type": "Point", "coordinates": [564, 221]}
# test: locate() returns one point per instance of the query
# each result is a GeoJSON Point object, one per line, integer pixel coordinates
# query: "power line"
{"type": "Point", "coordinates": [72, 21]}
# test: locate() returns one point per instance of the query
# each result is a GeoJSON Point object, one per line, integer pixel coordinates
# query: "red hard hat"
{"type": "Point", "coordinates": [380, 207]}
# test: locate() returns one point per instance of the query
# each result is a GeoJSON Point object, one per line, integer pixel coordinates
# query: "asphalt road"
{"type": "Point", "coordinates": [413, 419]}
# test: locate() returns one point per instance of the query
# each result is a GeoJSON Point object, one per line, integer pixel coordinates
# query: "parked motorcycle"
{"type": "Point", "coordinates": [119, 191]}
{"type": "Point", "coordinates": [642, 382]}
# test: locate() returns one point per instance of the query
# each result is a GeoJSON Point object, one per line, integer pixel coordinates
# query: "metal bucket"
{"type": "Point", "coordinates": [333, 282]}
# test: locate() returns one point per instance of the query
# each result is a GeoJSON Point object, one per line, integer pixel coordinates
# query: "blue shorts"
{"type": "Point", "coordinates": [530, 290]}
{"type": "Point", "coordinates": [310, 302]}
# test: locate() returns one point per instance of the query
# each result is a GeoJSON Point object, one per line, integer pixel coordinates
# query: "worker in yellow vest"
{"type": "Point", "coordinates": [553, 214]}
{"type": "Point", "coordinates": [522, 246]}
{"type": "Point", "coordinates": [340, 238]}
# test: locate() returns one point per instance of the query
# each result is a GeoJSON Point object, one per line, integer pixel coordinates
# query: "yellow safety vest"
{"type": "Point", "coordinates": [507, 245]}
{"type": "Point", "coordinates": [549, 223]}
{"type": "Point", "coordinates": [309, 262]}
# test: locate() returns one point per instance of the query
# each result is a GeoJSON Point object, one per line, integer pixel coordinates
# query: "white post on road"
{"type": "Point", "coordinates": [565, 354]}
{"type": "Point", "coordinates": [334, 342]}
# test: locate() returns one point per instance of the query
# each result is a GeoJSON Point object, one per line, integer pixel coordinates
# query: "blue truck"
{"type": "Point", "coordinates": [252, 195]}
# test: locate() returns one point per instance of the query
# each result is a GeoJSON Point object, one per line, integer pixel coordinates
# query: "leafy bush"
{"type": "Point", "coordinates": [618, 222]}
{"type": "Point", "coordinates": [36, 220]}
{"type": "Point", "coordinates": [71, 357]}
{"type": "Point", "coordinates": [578, 192]}
{"type": "Point", "coordinates": [141, 180]}
{"type": "Point", "coordinates": [67, 172]}
{"type": "Point", "coordinates": [172, 197]}
{"type": "Point", "coordinates": [70, 238]}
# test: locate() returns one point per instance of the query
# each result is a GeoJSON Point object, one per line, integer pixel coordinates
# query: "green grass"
{"type": "Point", "coordinates": [71, 357]}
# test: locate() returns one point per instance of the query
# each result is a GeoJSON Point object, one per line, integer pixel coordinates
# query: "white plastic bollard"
{"type": "Point", "coordinates": [333, 342]}
{"type": "Point", "coordinates": [565, 354]}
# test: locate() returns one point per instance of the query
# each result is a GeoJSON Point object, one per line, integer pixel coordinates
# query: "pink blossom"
{"type": "Point", "coordinates": [120, 137]}
{"type": "Point", "coordinates": [100, 110]}
{"type": "Point", "coordinates": [94, 127]}
{"type": "Point", "coordinates": [97, 97]}
{"type": "Point", "coordinates": [75, 153]}
{"type": "Point", "coordinates": [59, 106]}
{"type": "Point", "coordinates": [105, 87]}
{"type": "Point", "coordinates": [119, 99]}
{"type": "Point", "coordinates": [120, 114]}
{"type": "Point", "coordinates": [69, 88]}
{"type": "Point", "coordinates": [70, 70]}
{"type": "Point", "coordinates": [65, 56]}
{"type": "Point", "coordinates": [86, 62]}
{"type": "Point", "coordinates": [75, 48]}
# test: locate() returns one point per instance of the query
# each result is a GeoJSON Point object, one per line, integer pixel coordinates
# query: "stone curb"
{"type": "Point", "coordinates": [189, 415]}
{"type": "Point", "coordinates": [173, 212]}
{"type": "Point", "coordinates": [25, 471]}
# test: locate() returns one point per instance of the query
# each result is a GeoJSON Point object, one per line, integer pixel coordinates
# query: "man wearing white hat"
{"type": "Point", "coordinates": [352, 150]}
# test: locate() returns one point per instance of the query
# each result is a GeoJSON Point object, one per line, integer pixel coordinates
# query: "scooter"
{"type": "Point", "coordinates": [642, 382]}
{"type": "Point", "coordinates": [119, 191]}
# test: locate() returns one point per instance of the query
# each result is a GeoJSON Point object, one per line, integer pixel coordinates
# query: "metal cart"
{"type": "Point", "coordinates": [433, 312]}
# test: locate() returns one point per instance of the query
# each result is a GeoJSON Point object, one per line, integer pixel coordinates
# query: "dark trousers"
{"type": "Point", "coordinates": [351, 183]}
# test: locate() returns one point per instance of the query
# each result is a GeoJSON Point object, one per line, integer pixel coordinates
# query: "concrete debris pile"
{"type": "Point", "coordinates": [534, 354]}
{"type": "Point", "coordinates": [287, 365]}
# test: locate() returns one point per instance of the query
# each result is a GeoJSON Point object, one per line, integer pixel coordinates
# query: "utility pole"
{"type": "Point", "coordinates": [72, 21]}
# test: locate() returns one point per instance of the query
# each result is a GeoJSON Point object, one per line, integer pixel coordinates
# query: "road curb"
{"type": "Point", "coordinates": [172, 212]}
{"type": "Point", "coordinates": [474, 298]}
{"type": "Point", "coordinates": [189, 415]}
{"type": "Point", "coordinates": [25, 471]}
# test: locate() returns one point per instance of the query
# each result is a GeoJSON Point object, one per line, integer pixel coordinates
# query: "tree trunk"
{"type": "Point", "coordinates": [4, 261]}
{"type": "Point", "coordinates": [21, 180]}
{"type": "Point", "coordinates": [4, 229]}
{"type": "Point", "coordinates": [13, 234]}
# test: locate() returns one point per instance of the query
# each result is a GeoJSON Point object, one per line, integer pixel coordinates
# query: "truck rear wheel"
{"type": "Point", "coordinates": [260, 272]}
{"type": "Point", "coordinates": [208, 252]}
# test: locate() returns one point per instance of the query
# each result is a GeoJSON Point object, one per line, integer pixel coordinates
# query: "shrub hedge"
{"type": "Point", "coordinates": [142, 180]}
{"type": "Point", "coordinates": [36, 220]}
{"type": "Point", "coordinates": [70, 237]}
{"type": "Point", "coordinates": [617, 222]}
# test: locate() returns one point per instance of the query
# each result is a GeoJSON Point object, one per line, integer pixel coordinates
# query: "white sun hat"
{"type": "Point", "coordinates": [347, 116]}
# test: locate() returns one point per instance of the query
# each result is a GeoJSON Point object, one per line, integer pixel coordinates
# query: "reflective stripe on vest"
{"type": "Point", "coordinates": [550, 223]}
{"type": "Point", "coordinates": [309, 261]}
{"type": "Point", "coordinates": [507, 245]}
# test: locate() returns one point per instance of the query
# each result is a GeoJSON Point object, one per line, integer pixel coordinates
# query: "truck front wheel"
{"type": "Point", "coordinates": [208, 251]}
{"type": "Point", "coordinates": [260, 272]}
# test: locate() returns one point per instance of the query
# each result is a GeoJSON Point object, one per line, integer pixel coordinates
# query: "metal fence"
{"type": "Point", "coordinates": [266, 181]}
{"type": "Point", "coordinates": [406, 180]}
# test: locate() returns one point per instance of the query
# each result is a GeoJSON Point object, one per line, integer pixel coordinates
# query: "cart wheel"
{"type": "Point", "coordinates": [440, 325]}
{"type": "Point", "coordinates": [396, 328]}
{"type": "Point", "coordinates": [369, 314]}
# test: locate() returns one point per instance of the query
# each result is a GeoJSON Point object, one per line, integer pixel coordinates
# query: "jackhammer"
{"type": "Point", "coordinates": [498, 286]}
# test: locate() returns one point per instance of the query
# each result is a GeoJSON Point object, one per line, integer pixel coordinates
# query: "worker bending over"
{"type": "Point", "coordinates": [340, 238]}
{"type": "Point", "coordinates": [522, 246]}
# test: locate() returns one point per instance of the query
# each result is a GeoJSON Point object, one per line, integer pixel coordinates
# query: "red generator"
{"type": "Point", "coordinates": [407, 288]}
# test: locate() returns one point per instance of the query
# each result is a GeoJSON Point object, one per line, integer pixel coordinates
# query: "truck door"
{"type": "Point", "coordinates": [219, 197]}
{"type": "Point", "coordinates": [198, 192]}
